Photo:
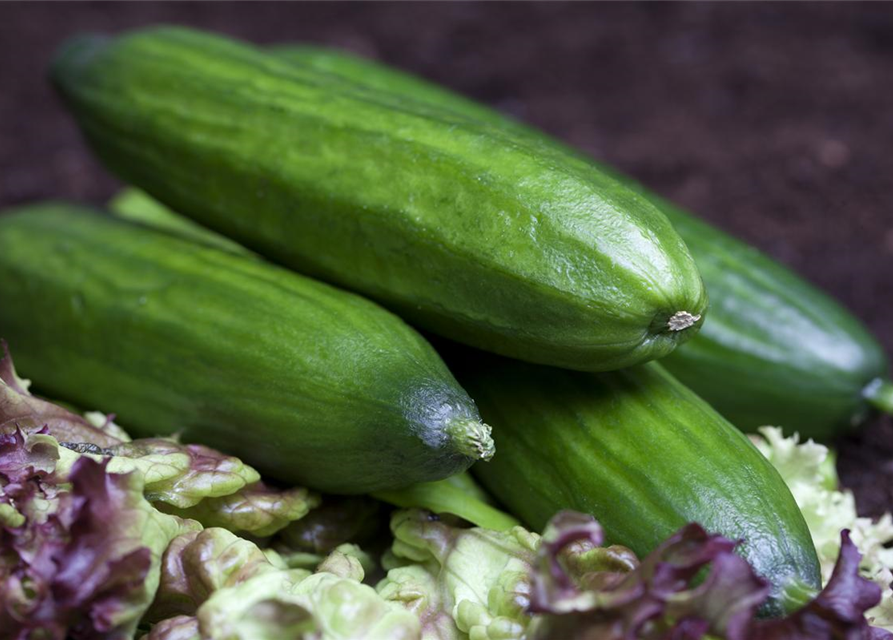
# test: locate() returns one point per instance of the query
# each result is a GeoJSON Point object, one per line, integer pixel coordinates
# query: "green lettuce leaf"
{"type": "Point", "coordinates": [331, 604]}
{"type": "Point", "coordinates": [460, 582]}
{"type": "Point", "coordinates": [182, 475]}
{"type": "Point", "coordinates": [196, 564]}
{"type": "Point", "coordinates": [176, 628]}
{"type": "Point", "coordinates": [257, 509]}
{"type": "Point", "coordinates": [808, 469]}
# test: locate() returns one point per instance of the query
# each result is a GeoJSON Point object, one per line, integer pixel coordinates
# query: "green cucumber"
{"type": "Point", "coordinates": [468, 230]}
{"type": "Point", "coordinates": [644, 455]}
{"type": "Point", "coordinates": [775, 350]}
{"type": "Point", "coordinates": [310, 384]}
{"type": "Point", "coordinates": [138, 206]}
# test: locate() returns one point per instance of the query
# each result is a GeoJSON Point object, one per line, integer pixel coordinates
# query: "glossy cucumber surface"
{"type": "Point", "coordinates": [310, 384]}
{"type": "Point", "coordinates": [643, 454]}
{"type": "Point", "coordinates": [492, 238]}
{"type": "Point", "coordinates": [774, 349]}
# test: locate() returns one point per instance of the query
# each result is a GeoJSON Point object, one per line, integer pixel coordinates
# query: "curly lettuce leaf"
{"type": "Point", "coordinates": [257, 509]}
{"type": "Point", "coordinates": [837, 612]}
{"type": "Point", "coordinates": [176, 628]}
{"type": "Point", "coordinates": [331, 604]}
{"type": "Point", "coordinates": [198, 563]}
{"type": "Point", "coordinates": [610, 597]}
{"type": "Point", "coordinates": [348, 561]}
{"type": "Point", "coordinates": [196, 482]}
{"type": "Point", "coordinates": [259, 608]}
{"type": "Point", "coordinates": [83, 560]}
{"type": "Point", "coordinates": [216, 585]}
{"type": "Point", "coordinates": [185, 474]}
{"type": "Point", "coordinates": [347, 609]}
{"type": "Point", "coordinates": [460, 582]}
{"type": "Point", "coordinates": [21, 410]}
{"type": "Point", "coordinates": [106, 422]}
{"type": "Point", "coordinates": [808, 469]}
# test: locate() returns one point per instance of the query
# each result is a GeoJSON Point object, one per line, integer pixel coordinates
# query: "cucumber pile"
{"type": "Point", "coordinates": [302, 214]}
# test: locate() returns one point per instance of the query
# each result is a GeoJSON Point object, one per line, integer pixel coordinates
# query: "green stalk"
{"type": "Point", "coordinates": [879, 393]}
{"type": "Point", "coordinates": [450, 496]}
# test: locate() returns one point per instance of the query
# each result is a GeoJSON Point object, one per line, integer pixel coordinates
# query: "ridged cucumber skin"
{"type": "Point", "coordinates": [643, 454]}
{"type": "Point", "coordinates": [492, 239]}
{"type": "Point", "coordinates": [775, 349]}
{"type": "Point", "coordinates": [310, 384]}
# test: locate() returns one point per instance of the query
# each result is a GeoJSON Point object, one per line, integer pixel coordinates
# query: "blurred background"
{"type": "Point", "coordinates": [773, 121]}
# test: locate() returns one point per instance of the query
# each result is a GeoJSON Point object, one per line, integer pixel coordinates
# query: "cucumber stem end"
{"type": "Point", "coordinates": [472, 438]}
{"type": "Point", "coordinates": [682, 320]}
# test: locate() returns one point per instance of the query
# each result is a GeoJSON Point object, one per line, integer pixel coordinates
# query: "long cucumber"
{"type": "Point", "coordinates": [310, 384]}
{"type": "Point", "coordinates": [464, 228]}
{"type": "Point", "coordinates": [774, 349]}
{"type": "Point", "coordinates": [644, 455]}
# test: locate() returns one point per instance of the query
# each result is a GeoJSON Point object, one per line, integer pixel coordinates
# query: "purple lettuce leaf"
{"type": "Point", "coordinates": [661, 598]}
{"type": "Point", "coordinates": [838, 612]}
{"type": "Point", "coordinates": [655, 599]}
{"type": "Point", "coordinates": [83, 559]}
{"type": "Point", "coordinates": [21, 410]}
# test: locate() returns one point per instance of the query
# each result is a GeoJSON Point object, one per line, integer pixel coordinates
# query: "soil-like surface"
{"type": "Point", "coordinates": [774, 121]}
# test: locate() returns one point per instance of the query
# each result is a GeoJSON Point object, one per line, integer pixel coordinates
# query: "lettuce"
{"type": "Point", "coordinates": [255, 600]}
{"type": "Point", "coordinates": [808, 469]}
{"type": "Point", "coordinates": [21, 410]}
{"type": "Point", "coordinates": [460, 582]}
{"type": "Point", "coordinates": [81, 553]}
{"type": "Point", "coordinates": [176, 628]}
{"type": "Point", "coordinates": [256, 509]}
{"type": "Point", "coordinates": [692, 586]}
{"type": "Point", "coordinates": [337, 521]}
{"type": "Point", "coordinates": [215, 585]}
{"type": "Point", "coordinates": [196, 564]}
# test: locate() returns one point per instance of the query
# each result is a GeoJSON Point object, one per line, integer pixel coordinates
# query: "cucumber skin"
{"type": "Point", "coordinates": [492, 239]}
{"type": "Point", "coordinates": [311, 385]}
{"type": "Point", "coordinates": [640, 452]}
{"type": "Point", "coordinates": [775, 349]}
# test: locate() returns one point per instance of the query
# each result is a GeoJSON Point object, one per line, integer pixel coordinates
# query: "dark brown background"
{"type": "Point", "coordinates": [773, 121]}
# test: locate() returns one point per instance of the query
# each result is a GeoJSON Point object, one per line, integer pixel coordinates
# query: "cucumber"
{"type": "Point", "coordinates": [644, 455]}
{"type": "Point", "coordinates": [775, 349]}
{"type": "Point", "coordinates": [138, 206]}
{"type": "Point", "coordinates": [312, 385]}
{"type": "Point", "coordinates": [490, 238]}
